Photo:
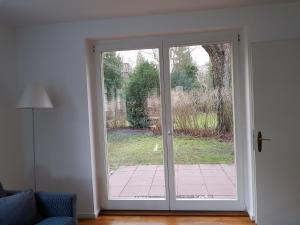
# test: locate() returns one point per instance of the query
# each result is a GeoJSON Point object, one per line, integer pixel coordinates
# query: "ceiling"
{"type": "Point", "coordinates": [36, 12]}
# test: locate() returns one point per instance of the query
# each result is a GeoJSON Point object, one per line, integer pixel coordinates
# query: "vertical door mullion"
{"type": "Point", "coordinates": [163, 121]}
{"type": "Point", "coordinates": [168, 125]}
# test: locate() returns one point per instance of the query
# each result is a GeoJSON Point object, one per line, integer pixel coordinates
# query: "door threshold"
{"type": "Point", "coordinates": [171, 213]}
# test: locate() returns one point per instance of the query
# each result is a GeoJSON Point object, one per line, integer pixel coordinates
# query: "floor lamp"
{"type": "Point", "coordinates": [34, 97]}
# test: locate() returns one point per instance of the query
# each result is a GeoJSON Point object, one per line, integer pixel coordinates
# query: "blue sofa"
{"type": "Point", "coordinates": [52, 208]}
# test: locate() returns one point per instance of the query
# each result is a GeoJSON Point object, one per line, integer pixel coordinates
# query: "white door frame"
{"type": "Point", "coordinates": [163, 43]}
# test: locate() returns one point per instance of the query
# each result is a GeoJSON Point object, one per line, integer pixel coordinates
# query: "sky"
{"type": "Point", "coordinates": [199, 55]}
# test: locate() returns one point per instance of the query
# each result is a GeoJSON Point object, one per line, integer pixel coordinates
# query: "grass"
{"type": "Point", "coordinates": [197, 121]}
{"type": "Point", "coordinates": [129, 147]}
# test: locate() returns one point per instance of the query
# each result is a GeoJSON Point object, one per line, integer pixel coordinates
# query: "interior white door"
{"type": "Point", "coordinates": [276, 89]}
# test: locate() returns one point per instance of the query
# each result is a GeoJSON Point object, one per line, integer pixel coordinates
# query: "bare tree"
{"type": "Point", "coordinates": [220, 62]}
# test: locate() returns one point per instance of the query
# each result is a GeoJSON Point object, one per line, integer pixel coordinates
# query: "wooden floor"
{"type": "Point", "coordinates": [168, 220]}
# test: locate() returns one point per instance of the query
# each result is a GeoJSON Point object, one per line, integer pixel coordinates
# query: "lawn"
{"type": "Point", "coordinates": [129, 147]}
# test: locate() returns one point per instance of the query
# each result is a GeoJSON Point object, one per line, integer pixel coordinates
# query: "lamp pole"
{"type": "Point", "coordinates": [34, 97]}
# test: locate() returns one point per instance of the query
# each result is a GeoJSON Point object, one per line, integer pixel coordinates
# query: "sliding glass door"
{"type": "Point", "coordinates": [169, 123]}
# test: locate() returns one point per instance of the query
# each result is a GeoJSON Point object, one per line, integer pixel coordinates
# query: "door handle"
{"type": "Point", "coordinates": [260, 139]}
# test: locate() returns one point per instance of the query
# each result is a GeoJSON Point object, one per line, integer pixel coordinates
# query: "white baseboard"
{"type": "Point", "coordinates": [252, 217]}
{"type": "Point", "coordinates": [97, 213]}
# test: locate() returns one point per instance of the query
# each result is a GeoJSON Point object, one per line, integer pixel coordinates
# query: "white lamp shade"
{"type": "Point", "coordinates": [34, 96]}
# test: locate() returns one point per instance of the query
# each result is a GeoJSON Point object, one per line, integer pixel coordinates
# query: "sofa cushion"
{"type": "Point", "coordinates": [18, 209]}
{"type": "Point", "coordinates": [56, 204]}
{"type": "Point", "coordinates": [2, 191]}
{"type": "Point", "coordinates": [58, 221]}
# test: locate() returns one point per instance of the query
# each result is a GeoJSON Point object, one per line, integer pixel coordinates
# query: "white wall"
{"type": "Point", "coordinates": [55, 54]}
{"type": "Point", "coordinates": [62, 134]}
{"type": "Point", "coordinates": [11, 156]}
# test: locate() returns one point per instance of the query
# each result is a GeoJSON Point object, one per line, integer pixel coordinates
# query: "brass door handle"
{"type": "Point", "coordinates": [260, 139]}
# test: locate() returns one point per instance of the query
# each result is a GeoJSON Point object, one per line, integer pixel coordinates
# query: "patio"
{"type": "Point", "coordinates": [205, 181]}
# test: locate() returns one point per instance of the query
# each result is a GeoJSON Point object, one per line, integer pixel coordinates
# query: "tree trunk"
{"type": "Point", "coordinates": [217, 56]}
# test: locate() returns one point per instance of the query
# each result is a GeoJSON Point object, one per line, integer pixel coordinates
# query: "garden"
{"type": "Point", "coordinates": [201, 101]}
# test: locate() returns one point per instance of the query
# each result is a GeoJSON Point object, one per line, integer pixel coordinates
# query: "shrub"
{"type": "Point", "coordinates": [195, 113]}
{"type": "Point", "coordinates": [143, 80]}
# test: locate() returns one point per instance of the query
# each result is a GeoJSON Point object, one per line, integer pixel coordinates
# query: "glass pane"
{"type": "Point", "coordinates": [133, 124]}
{"type": "Point", "coordinates": [202, 113]}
